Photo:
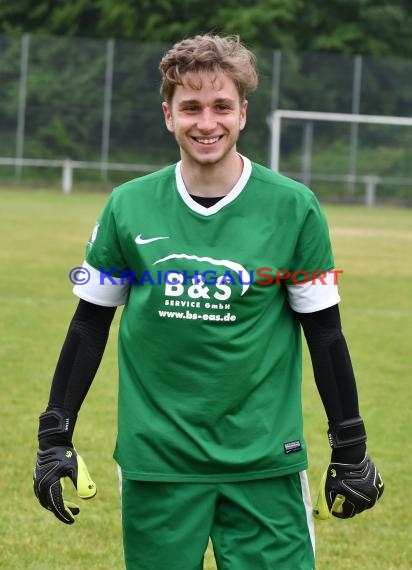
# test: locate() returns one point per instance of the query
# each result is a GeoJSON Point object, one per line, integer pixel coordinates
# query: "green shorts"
{"type": "Point", "coordinates": [254, 525]}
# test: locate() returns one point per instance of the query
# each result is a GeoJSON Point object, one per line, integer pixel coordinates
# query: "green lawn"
{"type": "Point", "coordinates": [43, 235]}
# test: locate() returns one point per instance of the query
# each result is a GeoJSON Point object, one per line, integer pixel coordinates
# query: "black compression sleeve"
{"type": "Point", "coordinates": [80, 356]}
{"type": "Point", "coordinates": [331, 363]}
{"type": "Point", "coordinates": [332, 367]}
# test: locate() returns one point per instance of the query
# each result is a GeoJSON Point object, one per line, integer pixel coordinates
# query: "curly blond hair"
{"type": "Point", "coordinates": [211, 54]}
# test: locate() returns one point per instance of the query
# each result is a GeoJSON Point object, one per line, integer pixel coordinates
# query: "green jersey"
{"type": "Point", "coordinates": [209, 341]}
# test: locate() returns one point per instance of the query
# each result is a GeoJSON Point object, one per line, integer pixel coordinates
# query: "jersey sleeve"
{"type": "Point", "coordinates": [313, 281]}
{"type": "Point", "coordinates": [104, 263]}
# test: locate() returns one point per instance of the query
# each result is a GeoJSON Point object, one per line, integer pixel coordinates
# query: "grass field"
{"type": "Point", "coordinates": [43, 236]}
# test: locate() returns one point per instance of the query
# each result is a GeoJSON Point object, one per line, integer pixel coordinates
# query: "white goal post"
{"type": "Point", "coordinates": [280, 114]}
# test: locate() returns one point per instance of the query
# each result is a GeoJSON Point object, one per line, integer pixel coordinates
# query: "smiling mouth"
{"type": "Point", "coordinates": [207, 141]}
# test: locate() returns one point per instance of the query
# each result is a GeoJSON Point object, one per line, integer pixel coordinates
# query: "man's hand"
{"type": "Point", "coordinates": [348, 489]}
{"type": "Point", "coordinates": [52, 466]}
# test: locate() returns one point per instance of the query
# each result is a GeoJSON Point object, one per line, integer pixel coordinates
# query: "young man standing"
{"type": "Point", "coordinates": [219, 263]}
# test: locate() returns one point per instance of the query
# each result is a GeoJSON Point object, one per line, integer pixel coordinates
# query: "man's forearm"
{"type": "Point", "coordinates": [81, 355]}
{"type": "Point", "coordinates": [334, 375]}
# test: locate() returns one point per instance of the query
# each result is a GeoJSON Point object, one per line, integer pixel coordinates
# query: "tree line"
{"type": "Point", "coordinates": [369, 27]}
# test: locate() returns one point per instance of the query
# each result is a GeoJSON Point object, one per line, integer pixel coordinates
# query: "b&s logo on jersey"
{"type": "Point", "coordinates": [201, 288]}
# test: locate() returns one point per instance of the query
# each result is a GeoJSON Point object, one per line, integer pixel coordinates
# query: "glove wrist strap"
{"type": "Point", "coordinates": [347, 433]}
{"type": "Point", "coordinates": [56, 426]}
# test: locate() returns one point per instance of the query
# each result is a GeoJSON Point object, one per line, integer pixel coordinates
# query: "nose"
{"type": "Point", "coordinates": [207, 121]}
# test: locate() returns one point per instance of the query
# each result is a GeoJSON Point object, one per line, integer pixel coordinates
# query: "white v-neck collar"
{"type": "Point", "coordinates": [232, 195]}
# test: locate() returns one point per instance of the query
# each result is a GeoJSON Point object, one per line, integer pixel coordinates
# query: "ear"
{"type": "Point", "coordinates": [168, 116]}
{"type": "Point", "coordinates": [243, 113]}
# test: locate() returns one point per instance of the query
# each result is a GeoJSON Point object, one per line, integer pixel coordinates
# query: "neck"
{"type": "Point", "coordinates": [211, 180]}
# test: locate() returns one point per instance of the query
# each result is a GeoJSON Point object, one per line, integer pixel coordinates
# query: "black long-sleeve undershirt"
{"type": "Point", "coordinates": [331, 363]}
{"type": "Point", "coordinates": [81, 355]}
{"type": "Point", "coordinates": [333, 372]}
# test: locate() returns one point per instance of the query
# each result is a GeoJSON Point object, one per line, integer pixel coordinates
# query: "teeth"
{"type": "Point", "coordinates": [208, 141]}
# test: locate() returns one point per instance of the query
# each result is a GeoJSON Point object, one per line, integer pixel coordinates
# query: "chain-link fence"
{"type": "Point", "coordinates": [98, 101]}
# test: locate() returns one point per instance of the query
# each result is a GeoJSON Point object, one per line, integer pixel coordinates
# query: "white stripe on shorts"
{"type": "Point", "coordinates": [308, 506]}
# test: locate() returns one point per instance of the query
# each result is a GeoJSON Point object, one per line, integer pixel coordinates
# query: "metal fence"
{"type": "Point", "coordinates": [98, 101]}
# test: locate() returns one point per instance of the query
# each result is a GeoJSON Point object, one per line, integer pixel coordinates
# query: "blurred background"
{"type": "Point", "coordinates": [80, 103]}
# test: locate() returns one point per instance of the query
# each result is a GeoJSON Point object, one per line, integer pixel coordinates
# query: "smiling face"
{"type": "Point", "coordinates": [206, 115]}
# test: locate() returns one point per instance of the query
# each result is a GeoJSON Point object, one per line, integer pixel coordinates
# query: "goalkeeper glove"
{"type": "Point", "coordinates": [57, 460]}
{"type": "Point", "coordinates": [348, 488]}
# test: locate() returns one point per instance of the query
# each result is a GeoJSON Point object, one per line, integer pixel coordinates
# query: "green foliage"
{"type": "Point", "coordinates": [9, 80]}
{"type": "Point", "coordinates": [64, 96]}
{"type": "Point", "coordinates": [373, 27]}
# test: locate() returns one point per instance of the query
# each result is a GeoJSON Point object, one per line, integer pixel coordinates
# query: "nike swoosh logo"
{"type": "Point", "coordinates": [140, 241]}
